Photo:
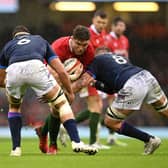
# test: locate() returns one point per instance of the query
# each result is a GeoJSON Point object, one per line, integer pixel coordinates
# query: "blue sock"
{"type": "Point", "coordinates": [15, 124]}
{"type": "Point", "coordinates": [70, 126]}
{"type": "Point", "coordinates": [129, 130]}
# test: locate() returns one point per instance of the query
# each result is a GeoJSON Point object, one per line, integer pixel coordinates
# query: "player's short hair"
{"type": "Point", "coordinates": [102, 49]}
{"type": "Point", "coordinates": [116, 20]}
{"type": "Point", "coordinates": [20, 28]}
{"type": "Point", "coordinates": [101, 14]}
{"type": "Point", "coordinates": [81, 33]}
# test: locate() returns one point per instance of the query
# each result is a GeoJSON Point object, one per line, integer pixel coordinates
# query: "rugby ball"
{"type": "Point", "coordinates": [74, 68]}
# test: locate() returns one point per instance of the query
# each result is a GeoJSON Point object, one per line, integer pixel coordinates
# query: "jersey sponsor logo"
{"type": "Point", "coordinates": [23, 41]}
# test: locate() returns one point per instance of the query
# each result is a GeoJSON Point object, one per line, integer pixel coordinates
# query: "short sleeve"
{"type": "Point", "coordinates": [50, 53]}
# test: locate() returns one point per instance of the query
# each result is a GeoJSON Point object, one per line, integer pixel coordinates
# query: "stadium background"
{"type": "Point", "coordinates": [147, 32]}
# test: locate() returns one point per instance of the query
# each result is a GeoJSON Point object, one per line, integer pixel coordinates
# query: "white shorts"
{"type": "Point", "coordinates": [33, 74]}
{"type": "Point", "coordinates": [142, 87]}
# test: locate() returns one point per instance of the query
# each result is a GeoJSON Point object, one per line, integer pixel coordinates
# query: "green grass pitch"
{"type": "Point", "coordinates": [116, 157]}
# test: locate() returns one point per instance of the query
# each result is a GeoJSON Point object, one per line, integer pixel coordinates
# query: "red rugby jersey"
{"type": "Point", "coordinates": [62, 49]}
{"type": "Point", "coordinates": [117, 44]}
{"type": "Point", "coordinates": [97, 39]}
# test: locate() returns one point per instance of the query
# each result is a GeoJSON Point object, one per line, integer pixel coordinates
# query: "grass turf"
{"type": "Point", "coordinates": [116, 157]}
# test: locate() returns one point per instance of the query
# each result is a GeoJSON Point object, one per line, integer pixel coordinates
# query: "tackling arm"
{"type": "Point", "coordinates": [85, 80]}
{"type": "Point", "coordinates": [102, 87]}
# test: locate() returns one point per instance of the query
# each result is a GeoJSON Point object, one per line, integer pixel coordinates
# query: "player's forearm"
{"type": "Point", "coordinates": [102, 87]}
{"type": "Point", "coordinates": [65, 82]}
{"type": "Point", "coordinates": [77, 86]}
{"type": "Point", "coordinates": [85, 80]}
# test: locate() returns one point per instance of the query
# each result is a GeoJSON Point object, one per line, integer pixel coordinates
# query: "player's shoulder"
{"type": "Point", "coordinates": [61, 43]}
{"type": "Point", "coordinates": [91, 31]}
{"type": "Point", "coordinates": [111, 37]}
{"type": "Point", "coordinates": [62, 40]}
{"type": "Point", "coordinates": [102, 56]}
{"type": "Point", "coordinates": [123, 37]}
{"type": "Point", "coordinates": [8, 44]}
{"type": "Point", "coordinates": [37, 38]}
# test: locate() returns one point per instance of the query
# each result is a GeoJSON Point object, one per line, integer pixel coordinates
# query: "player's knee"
{"type": "Point", "coordinates": [115, 114]}
{"type": "Point", "coordinates": [94, 110]}
{"type": "Point", "coordinates": [95, 106]}
{"type": "Point", "coordinates": [54, 112]}
{"type": "Point", "coordinates": [114, 118]}
{"type": "Point", "coordinates": [161, 106]}
{"type": "Point", "coordinates": [59, 104]}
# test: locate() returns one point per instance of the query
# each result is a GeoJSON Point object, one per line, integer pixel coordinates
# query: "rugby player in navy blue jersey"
{"type": "Point", "coordinates": [21, 61]}
{"type": "Point", "coordinates": [114, 74]}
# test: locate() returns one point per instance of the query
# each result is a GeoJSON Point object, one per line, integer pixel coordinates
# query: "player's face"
{"type": "Point", "coordinates": [99, 23]}
{"type": "Point", "coordinates": [79, 47]}
{"type": "Point", "coordinates": [119, 28]}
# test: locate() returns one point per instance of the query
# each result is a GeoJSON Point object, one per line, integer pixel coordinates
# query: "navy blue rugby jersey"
{"type": "Point", "coordinates": [26, 47]}
{"type": "Point", "coordinates": [112, 70]}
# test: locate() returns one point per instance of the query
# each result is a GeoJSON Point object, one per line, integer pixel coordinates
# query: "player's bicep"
{"type": "Point", "coordinates": [50, 54]}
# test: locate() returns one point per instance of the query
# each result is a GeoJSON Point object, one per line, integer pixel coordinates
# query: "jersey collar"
{"type": "Point", "coordinates": [94, 29]}
{"type": "Point", "coordinates": [113, 35]}
{"type": "Point", "coordinates": [70, 46]}
{"type": "Point", "coordinates": [21, 33]}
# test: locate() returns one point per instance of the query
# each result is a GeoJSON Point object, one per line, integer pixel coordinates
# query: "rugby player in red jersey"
{"type": "Point", "coordinates": [118, 43]}
{"type": "Point", "coordinates": [78, 45]}
{"type": "Point", "coordinates": [97, 29]}
{"type": "Point", "coordinates": [75, 46]}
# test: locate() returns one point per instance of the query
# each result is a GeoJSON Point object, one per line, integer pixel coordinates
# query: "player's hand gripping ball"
{"type": "Point", "coordinates": [74, 68]}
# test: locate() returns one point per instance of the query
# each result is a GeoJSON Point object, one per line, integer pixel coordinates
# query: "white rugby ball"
{"type": "Point", "coordinates": [74, 68]}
